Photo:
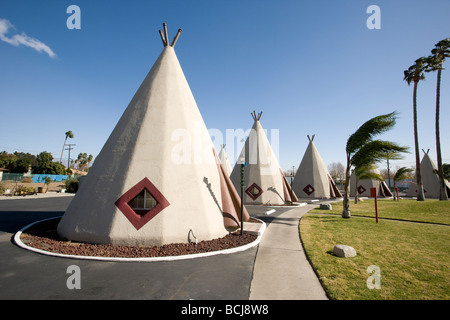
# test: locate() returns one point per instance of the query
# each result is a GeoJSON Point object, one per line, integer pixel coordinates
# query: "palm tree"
{"type": "Point", "coordinates": [89, 160]}
{"type": "Point", "coordinates": [362, 150]}
{"type": "Point", "coordinates": [69, 134]}
{"type": "Point", "coordinates": [438, 55]}
{"type": "Point", "coordinates": [402, 174]}
{"type": "Point", "coordinates": [391, 156]}
{"type": "Point", "coordinates": [415, 73]}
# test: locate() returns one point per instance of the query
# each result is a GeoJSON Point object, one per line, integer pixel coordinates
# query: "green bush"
{"type": "Point", "coordinates": [72, 185]}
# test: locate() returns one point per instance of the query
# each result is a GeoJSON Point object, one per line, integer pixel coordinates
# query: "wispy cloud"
{"type": "Point", "coordinates": [22, 39]}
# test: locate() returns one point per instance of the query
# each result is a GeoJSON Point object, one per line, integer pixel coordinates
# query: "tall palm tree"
{"type": "Point", "coordinates": [362, 150]}
{"type": "Point", "coordinates": [438, 55]}
{"type": "Point", "coordinates": [415, 73]}
{"type": "Point", "coordinates": [69, 134]}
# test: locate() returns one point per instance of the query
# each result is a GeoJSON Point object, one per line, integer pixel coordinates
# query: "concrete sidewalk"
{"type": "Point", "coordinates": [282, 271]}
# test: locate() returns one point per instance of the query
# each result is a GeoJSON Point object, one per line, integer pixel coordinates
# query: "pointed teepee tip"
{"type": "Point", "coordinates": [165, 36]}
{"type": "Point", "coordinates": [256, 117]}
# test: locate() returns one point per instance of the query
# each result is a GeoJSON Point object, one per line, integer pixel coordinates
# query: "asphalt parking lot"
{"type": "Point", "coordinates": [28, 275]}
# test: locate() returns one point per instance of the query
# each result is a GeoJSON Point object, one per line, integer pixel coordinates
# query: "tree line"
{"type": "Point", "coordinates": [20, 162]}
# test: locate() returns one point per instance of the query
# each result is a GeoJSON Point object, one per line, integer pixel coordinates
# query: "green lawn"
{"type": "Point", "coordinates": [413, 258]}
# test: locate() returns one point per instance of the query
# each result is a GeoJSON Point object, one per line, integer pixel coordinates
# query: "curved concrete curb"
{"type": "Point", "coordinates": [149, 259]}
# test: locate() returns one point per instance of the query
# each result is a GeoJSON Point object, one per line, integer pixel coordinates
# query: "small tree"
{"type": "Point", "coordinates": [45, 164]}
{"type": "Point", "coordinates": [402, 174]}
{"type": "Point", "coordinates": [362, 150]}
{"type": "Point", "coordinates": [337, 171]}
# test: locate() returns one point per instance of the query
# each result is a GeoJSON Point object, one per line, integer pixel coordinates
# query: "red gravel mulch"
{"type": "Point", "coordinates": [43, 235]}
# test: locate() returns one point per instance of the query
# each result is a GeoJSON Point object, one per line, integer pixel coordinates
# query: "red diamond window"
{"type": "Point", "coordinates": [308, 189]}
{"type": "Point", "coordinates": [361, 189]}
{"type": "Point", "coordinates": [254, 191]}
{"type": "Point", "coordinates": [141, 203]}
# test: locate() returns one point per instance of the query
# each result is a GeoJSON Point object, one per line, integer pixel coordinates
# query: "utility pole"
{"type": "Point", "coordinates": [69, 148]}
{"type": "Point", "coordinates": [292, 191]}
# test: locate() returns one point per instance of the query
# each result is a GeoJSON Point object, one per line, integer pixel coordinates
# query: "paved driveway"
{"type": "Point", "coordinates": [28, 275]}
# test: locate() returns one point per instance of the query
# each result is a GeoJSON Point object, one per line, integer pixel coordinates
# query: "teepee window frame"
{"type": "Point", "coordinates": [139, 218]}
{"type": "Point", "coordinates": [250, 194]}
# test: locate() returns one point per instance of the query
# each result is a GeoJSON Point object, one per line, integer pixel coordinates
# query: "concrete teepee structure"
{"type": "Point", "coordinates": [156, 180]}
{"type": "Point", "coordinates": [364, 186]}
{"type": "Point", "coordinates": [264, 181]}
{"type": "Point", "coordinates": [312, 179]}
{"type": "Point", "coordinates": [430, 179]}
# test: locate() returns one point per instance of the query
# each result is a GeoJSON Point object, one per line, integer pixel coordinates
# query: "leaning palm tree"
{"type": "Point", "coordinates": [415, 73]}
{"type": "Point", "coordinates": [69, 134]}
{"type": "Point", "coordinates": [402, 174]}
{"type": "Point", "coordinates": [438, 55]}
{"type": "Point", "coordinates": [362, 150]}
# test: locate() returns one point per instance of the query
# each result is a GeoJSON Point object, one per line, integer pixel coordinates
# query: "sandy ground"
{"type": "Point", "coordinates": [54, 189]}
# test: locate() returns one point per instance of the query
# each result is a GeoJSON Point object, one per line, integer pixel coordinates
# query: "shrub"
{"type": "Point", "coordinates": [72, 185]}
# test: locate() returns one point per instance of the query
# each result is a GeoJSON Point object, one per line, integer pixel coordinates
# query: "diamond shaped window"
{"type": "Point", "coordinates": [308, 189]}
{"type": "Point", "coordinates": [254, 191]}
{"type": "Point", "coordinates": [361, 189]}
{"type": "Point", "coordinates": [142, 203]}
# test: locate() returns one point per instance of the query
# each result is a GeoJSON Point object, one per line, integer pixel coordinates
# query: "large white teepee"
{"type": "Point", "coordinates": [156, 180]}
{"type": "Point", "coordinates": [364, 186]}
{"type": "Point", "coordinates": [312, 179]}
{"type": "Point", "coordinates": [264, 182]}
{"type": "Point", "coordinates": [430, 179]}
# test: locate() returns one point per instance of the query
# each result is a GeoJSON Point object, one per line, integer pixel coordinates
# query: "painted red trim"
{"type": "Point", "coordinates": [251, 195]}
{"type": "Point", "coordinates": [139, 220]}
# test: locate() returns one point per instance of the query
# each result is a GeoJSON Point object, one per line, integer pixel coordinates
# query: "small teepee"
{"type": "Point", "coordinates": [364, 186]}
{"type": "Point", "coordinates": [264, 181]}
{"type": "Point", "coordinates": [157, 179]}
{"type": "Point", "coordinates": [312, 179]}
{"type": "Point", "coordinates": [430, 179]}
{"type": "Point", "coordinates": [224, 160]}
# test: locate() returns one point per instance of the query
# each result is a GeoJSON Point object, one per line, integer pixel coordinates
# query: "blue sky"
{"type": "Point", "coordinates": [311, 67]}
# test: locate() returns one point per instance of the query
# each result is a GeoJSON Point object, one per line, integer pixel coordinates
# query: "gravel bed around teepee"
{"type": "Point", "coordinates": [43, 235]}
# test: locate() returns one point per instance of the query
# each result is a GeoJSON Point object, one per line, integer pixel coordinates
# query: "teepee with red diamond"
{"type": "Point", "coordinates": [264, 181]}
{"type": "Point", "coordinates": [157, 179]}
{"type": "Point", "coordinates": [312, 179]}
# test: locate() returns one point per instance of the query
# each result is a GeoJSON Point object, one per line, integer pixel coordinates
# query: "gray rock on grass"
{"type": "Point", "coordinates": [344, 251]}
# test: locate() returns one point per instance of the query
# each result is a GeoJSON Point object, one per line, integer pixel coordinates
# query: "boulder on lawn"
{"type": "Point", "coordinates": [326, 206]}
{"type": "Point", "coordinates": [344, 251]}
